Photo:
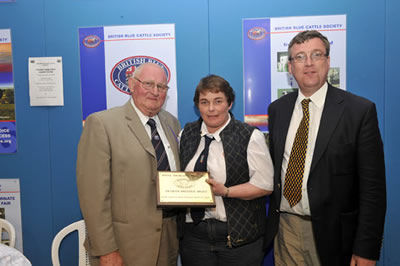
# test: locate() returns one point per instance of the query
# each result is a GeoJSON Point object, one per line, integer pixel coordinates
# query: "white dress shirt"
{"type": "Point", "coordinates": [260, 166]}
{"type": "Point", "coordinates": [168, 150]}
{"type": "Point", "coordinates": [316, 107]}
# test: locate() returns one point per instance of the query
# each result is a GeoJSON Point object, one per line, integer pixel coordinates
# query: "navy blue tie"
{"type": "Point", "coordinates": [162, 159]}
{"type": "Point", "coordinates": [197, 214]}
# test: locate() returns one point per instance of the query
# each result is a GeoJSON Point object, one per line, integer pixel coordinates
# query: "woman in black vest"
{"type": "Point", "coordinates": [237, 158]}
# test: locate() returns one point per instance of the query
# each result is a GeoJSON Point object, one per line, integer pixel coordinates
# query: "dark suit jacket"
{"type": "Point", "coordinates": [116, 174]}
{"type": "Point", "coordinates": [346, 185]}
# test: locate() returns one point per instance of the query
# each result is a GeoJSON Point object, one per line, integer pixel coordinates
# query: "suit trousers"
{"type": "Point", "coordinates": [168, 253]}
{"type": "Point", "coordinates": [206, 244]}
{"type": "Point", "coordinates": [294, 243]}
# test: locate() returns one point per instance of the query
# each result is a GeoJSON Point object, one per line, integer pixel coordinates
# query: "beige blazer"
{"type": "Point", "coordinates": [116, 171]}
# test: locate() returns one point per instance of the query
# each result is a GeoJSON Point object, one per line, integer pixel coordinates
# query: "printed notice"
{"type": "Point", "coordinates": [46, 81]}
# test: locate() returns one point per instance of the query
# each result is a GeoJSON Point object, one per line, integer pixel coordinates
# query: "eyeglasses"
{"type": "Point", "coordinates": [302, 57]}
{"type": "Point", "coordinates": [149, 85]}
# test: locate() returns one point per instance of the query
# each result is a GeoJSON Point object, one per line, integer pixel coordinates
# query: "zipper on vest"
{"type": "Point", "coordinates": [229, 242]}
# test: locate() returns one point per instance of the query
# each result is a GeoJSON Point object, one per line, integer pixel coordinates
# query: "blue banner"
{"type": "Point", "coordinates": [91, 44]}
{"type": "Point", "coordinates": [257, 71]}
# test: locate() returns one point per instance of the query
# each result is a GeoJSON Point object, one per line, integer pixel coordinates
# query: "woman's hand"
{"type": "Point", "coordinates": [218, 188]}
{"type": "Point", "coordinates": [245, 191]}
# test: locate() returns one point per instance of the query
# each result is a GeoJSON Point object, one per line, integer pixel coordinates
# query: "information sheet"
{"type": "Point", "coordinates": [46, 81]}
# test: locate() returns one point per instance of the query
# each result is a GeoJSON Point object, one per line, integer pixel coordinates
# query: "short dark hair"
{"type": "Point", "coordinates": [307, 35]}
{"type": "Point", "coordinates": [214, 84]}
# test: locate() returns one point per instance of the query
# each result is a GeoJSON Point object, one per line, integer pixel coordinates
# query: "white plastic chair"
{"type": "Point", "coordinates": [83, 255]}
{"type": "Point", "coordinates": [9, 228]}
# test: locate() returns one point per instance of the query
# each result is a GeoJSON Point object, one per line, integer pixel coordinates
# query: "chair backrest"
{"type": "Point", "coordinates": [9, 228]}
{"type": "Point", "coordinates": [83, 255]}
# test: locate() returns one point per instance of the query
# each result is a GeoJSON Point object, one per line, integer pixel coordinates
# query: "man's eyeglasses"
{"type": "Point", "coordinates": [149, 85]}
{"type": "Point", "coordinates": [302, 57]}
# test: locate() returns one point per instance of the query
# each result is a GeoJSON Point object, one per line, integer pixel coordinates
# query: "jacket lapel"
{"type": "Point", "coordinates": [135, 125]}
{"type": "Point", "coordinates": [333, 110]}
{"type": "Point", "coordinates": [171, 136]}
{"type": "Point", "coordinates": [284, 117]}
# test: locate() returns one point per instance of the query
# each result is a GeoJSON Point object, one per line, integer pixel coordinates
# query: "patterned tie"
{"type": "Point", "coordinates": [201, 166]}
{"type": "Point", "coordinates": [295, 168]}
{"type": "Point", "coordinates": [162, 159]}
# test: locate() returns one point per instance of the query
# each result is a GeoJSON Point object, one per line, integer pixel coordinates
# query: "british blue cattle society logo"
{"type": "Point", "coordinates": [125, 68]}
{"type": "Point", "coordinates": [91, 41]}
{"type": "Point", "coordinates": [256, 33]}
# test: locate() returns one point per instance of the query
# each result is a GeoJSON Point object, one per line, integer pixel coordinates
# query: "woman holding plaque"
{"type": "Point", "coordinates": [237, 158]}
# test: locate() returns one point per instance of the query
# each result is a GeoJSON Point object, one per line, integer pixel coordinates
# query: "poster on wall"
{"type": "Point", "coordinates": [110, 55]}
{"type": "Point", "coordinates": [10, 208]}
{"type": "Point", "coordinates": [265, 59]}
{"type": "Point", "coordinates": [8, 134]}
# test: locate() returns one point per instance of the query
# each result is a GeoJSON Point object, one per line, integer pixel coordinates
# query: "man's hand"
{"type": "Point", "coordinates": [111, 259]}
{"type": "Point", "coordinates": [359, 261]}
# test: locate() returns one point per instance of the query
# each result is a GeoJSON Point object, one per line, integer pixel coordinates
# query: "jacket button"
{"type": "Point", "coordinates": [279, 185]}
{"type": "Point", "coordinates": [158, 230]}
{"type": "Point", "coordinates": [277, 211]}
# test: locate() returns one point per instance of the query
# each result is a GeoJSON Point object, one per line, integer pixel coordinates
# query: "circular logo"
{"type": "Point", "coordinates": [256, 33]}
{"type": "Point", "coordinates": [184, 183]}
{"type": "Point", "coordinates": [125, 68]}
{"type": "Point", "coordinates": [91, 41]}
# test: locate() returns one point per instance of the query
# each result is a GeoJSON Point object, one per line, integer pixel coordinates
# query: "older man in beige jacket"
{"type": "Point", "coordinates": [116, 173]}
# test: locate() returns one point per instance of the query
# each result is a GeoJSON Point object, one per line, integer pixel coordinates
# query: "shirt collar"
{"type": "Point", "coordinates": [204, 130]}
{"type": "Point", "coordinates": [318, 98]}
{"type": "Point", "coordinates": [144, 118]}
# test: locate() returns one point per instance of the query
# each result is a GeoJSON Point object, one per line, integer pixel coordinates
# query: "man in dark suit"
{"type": "Point", "coordinates": [329, 201]}
{"type": "Point", "coordinates": [116, 177]}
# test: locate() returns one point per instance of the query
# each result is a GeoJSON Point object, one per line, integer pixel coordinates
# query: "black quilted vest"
{"type": "Point", "coordinates": [246, 219]}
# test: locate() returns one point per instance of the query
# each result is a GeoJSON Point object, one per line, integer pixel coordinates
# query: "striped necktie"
{"type": "Point", "coordinates": [197, 214]}
{"type": "Point", "coordinates": [162, 159]}
{"type": "Point", "coordinates": [297, 158]}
